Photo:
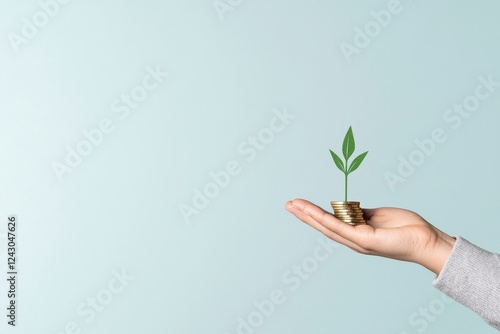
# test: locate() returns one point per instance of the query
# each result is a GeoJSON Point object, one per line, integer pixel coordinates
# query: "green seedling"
{"type": "Point", "coordinates": [348, 147]}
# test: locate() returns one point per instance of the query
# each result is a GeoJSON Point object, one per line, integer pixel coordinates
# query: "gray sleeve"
{"type": "Point", "coordinates": [471, 276]}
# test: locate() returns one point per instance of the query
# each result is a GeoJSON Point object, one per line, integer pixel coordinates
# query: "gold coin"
{"type": "Point", "coordinates": [348, 213]}
{"type": "Point", "coordinates": [351, 220]}
{"type": "Point", "coordinates": [348, 209]}
{"type": "Point", "coordinates": [355, 224]}
{"type": "Point", "coordinates": [351, 216]}
{"type": "Point", "coordinates": [343, 203]}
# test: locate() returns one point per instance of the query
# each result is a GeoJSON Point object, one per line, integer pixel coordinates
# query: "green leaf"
{"type": "Point", "coordinates": [338, 161]}
{"type": "Point", "coordinates": [348, 144]}
{"type": "Point", "coordinates": [356, 162]}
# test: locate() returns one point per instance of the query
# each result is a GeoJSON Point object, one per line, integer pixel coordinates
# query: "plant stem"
{"type": "Point", "coordinates": [346, 187]}
{"type": "Point", "coordinates": [346, 173]}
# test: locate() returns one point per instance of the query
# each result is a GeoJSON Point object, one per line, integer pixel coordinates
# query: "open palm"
{"type": "Point", "coordinates": [389, 232]}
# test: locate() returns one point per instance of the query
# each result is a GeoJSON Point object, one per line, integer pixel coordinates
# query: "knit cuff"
{"type": "Point", "coordinates": [471, 276]}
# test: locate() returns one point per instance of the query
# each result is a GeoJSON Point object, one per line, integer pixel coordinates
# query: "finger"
{"type": "Point", "coordinates": [316, 225]}
{"type": "Point", "coordinates": [370, 216]}
{"type": "Point", "coordinates": [369, 213]}
{"type": "Point", "coordinates": [361, 235]}
{"type": "Point", "coordinates": [302, 216]}
{"type": "Point", "coordinates": [311, 222]}
{"type": "Point", "coordinates": [381, 217]}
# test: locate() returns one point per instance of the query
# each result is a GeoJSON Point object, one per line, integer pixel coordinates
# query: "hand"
{"type": "Point", "coordinates": [389, 232]}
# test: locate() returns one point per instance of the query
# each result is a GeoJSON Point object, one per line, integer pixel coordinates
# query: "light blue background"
{"type": "Point", "coordinates": [119, 209]}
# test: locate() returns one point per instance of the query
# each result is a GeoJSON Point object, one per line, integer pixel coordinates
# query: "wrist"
{"type": "Point", "coordinates": [438, 254]}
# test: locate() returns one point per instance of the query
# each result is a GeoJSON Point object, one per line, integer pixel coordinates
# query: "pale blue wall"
{"type": "Point", "coordinates": [229, 73]}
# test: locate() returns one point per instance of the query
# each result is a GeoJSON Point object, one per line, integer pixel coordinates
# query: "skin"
{"type": "Point", "coordinates": [389, 232]}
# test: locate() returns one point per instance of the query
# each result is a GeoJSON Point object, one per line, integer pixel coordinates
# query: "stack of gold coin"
{"type": "Point", "coordinates": [348, 212]}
